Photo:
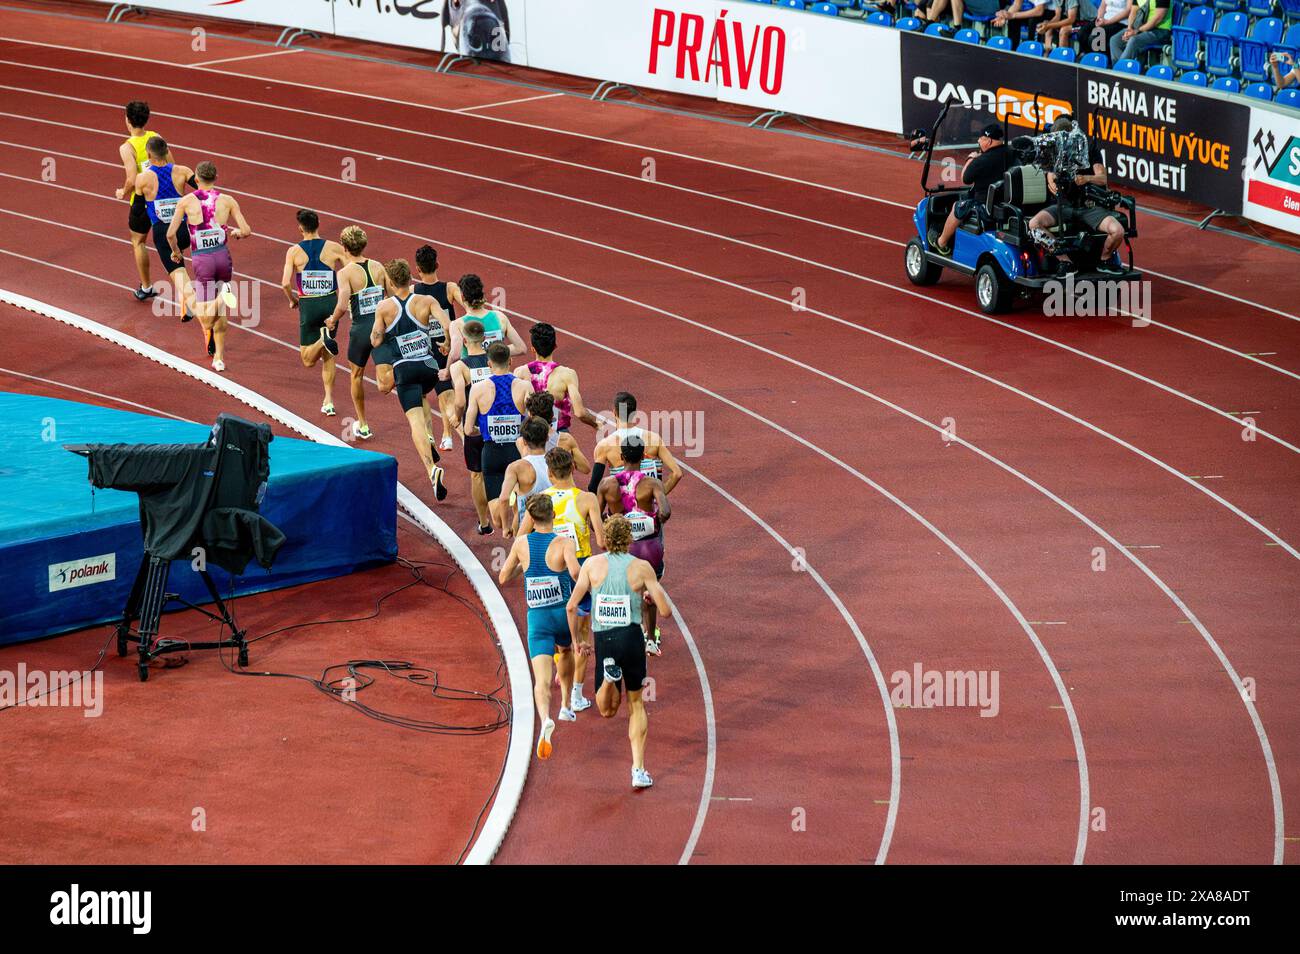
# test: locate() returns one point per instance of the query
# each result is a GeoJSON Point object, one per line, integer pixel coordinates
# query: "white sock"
{"type": "Point", "coordinates": [577, 690]}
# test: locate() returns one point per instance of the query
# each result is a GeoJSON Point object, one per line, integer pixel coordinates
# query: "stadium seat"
{"type": "Point", "coordinates": [1259, 8]}
{"type": "Point", "coordinates": [881, 19]}
{"type": "Point", "coordinates": [792, 4]}
{"type": "Point", "coordinates": [910, 24]}
{"type": "Point", "coordinates": [999, 42]}
{"type": "Point", "coordinates": [1128, 66]}
{"type": "Point", "coordinates": [1291, 41]}
{"type": "Point", "coordinates": [1259, 91]}
{"type": "Point", "coordinates": [1288, 97]}
{"type": "Point", "coordinates": [967, 36]}
{"type": "Point", "coordinates": [1264, 35]}
{"type": "Point", "coordinates": [1227, 84]}
{"type": "Point", "coordinates": [939, 29]}
{"type": "Point", "coordinates": [1227, 5]}
{"type": "Point", "coordinates": [1065, 54]}
{"type": "Point", "coordinates": [1290, 10]}
{"type": "Point", "coordinates": [1161, 72]}
{"type": "Point", "coordinates": [829, 9]}
{"type": "Point", "coordinates": [1219, 44]}
{"type": "Point", "coordinates": [1096, 60]}
{"type": "Point", "coordinates": [1032, 48]}
{"type": "Point", "coordinates": [1197, 21]}
{"type": "Point", "coordinates": [1193, 78]}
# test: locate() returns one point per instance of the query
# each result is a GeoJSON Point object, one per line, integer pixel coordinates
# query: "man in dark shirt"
{"type": "Point", "coordinates": [1079, 208]}
{"type": "Point", "coordinates": [986, 166]}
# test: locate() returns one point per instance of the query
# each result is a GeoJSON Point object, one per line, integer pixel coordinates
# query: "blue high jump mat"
{"type": "Point", "coordinates": [70, 553]}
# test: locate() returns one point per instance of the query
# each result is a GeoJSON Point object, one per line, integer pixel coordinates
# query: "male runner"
{"type": "Point", "coordinates": [545, 374]}
{"type": "Point", "coordinates": [465, 373]}
{"type": "Point", "coordinates": [577, 516]}
{"type": "Point", "coordinates": [549, 565]}
{"type": "Point", "coordinates": [526, 476]}
{"type": "Point", "coordinates": [362, 285]}
{"type": "Point", "coordinates": [160, 184]}
{"type": "Point", "coordinates": [496, 326]}
{"type": "Point", "coordinates": [448, 296]}
{"type": "Point", "coordinates": [541, 404]}
{"type": "Point", "coordinates": [135, 159]}
{"type": "Point", "coordinates": [311, 286]}
{"type": "Point", "coordinates": [657, 459]}
{"type": "Point", "coordinates": [644, 501]}
{"type": "Point", "coordinates": [495, 409]}
{"type": "Point", "coordinates": [403, 323]}
{"type": "Point", "coordinates": [206, 212]}
{"type": "Point", "coordinates": [616, 580]}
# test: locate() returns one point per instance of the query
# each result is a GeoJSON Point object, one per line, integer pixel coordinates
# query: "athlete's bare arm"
{"type": "Point", "coordinates": [520, 390]}
{"type": "Point", "coordinates": [526, 525]}
{"type": "Point", "coordinates": [127, 155]}
{"type": "Point", "coordinates": [508, 486]}
{"type": "Point", "coordinates": [512, 336]}
{"type": "Point", "coordinates": [607, 496]}
{"type": "Point", "coordinates": [580, 462]}
{"type": "Point", "coordinates": [243, 230]}
{"type": "Point", "coordinates": [570, 550]}
{"type": "Point", "coordinates": [458, 382]}
{"type": "Point", "coordinates": [575, 398]}
{"type": "Point", "coordinates": [456, 340]}
{"type": "Point", "coordinates": [182, 213]}
{"type": "Point", "coordinates": [385, 313]}
{"type": "Point", "coordinates": [660, 493]}
{"type": "Point", "coordinates": [589, 507]}
{"type": "Point", "coordinates": [344, 295]}
{"type": "Point", "coordinates": [670, 464]}
{"type": "Point", "coordinates": [642, 577]}
{"type": "Point", "coordinates": [516, 562]}
{"type": "Point", "coordinates": [583, 641]}
{"type": "Point", "coordinates": [291, 266]}
{"type": "Point", "coordinates": [472, 408]}
{"type": "Point", "coordinates": [140, 184]}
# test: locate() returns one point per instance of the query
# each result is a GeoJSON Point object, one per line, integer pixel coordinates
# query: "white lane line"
{"type": "Point", "coordinates": [251, 56]}
{"type": "Point", "coordinates": [609, 141]}
{"type": "Point", "coordinates": [508, 102]}
{"type": "Point", "coordinates": [98, 394]}
{"type": "Point", "coordinates": [711, 741]}
{"type": "Point", "coordinates": [878, 675]}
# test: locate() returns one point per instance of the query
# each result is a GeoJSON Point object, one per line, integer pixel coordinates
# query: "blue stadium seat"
{"type": "Point", "coordinates": [1197, 21]}
{"type": "Point", "coordinates": [829, 9]}
{"type": "Point", "coordinates": [938, 29]}
{"type": "Point", "coordinates": [1128, 66]}
{"type": "Point", "coordinates": [1288, 97]}
{"type": "Point", "coordinates": [1193, 78]}
{"type": "Point", "coordinates": [1290, 10]}
{"type": "Point", "coordinates": [1259, 8]}
{"type": "Point", "coordinates": [1065, 54]}
{"type": "Point", "coordinates": [882, 19]}
{"type": "Point", "coordinates": [1227, 84]}
{"type": "Point", "coordinates": [910, 24]}
{"type": "Point", "coordinates": [1096, 60]}
{"type": "Point", "coordinates": [967, 36]}
{"type": "Point", "coordinates": [1291, 41]}
{"type": "Point", "coordinates": [1219, 44]}
{"type": "Point", "coordinates": [999, 42]}
{"type": "Point", "coordinates": [1259, 91]}
{"type": "Point", "coordinates": [1032, 48]}
{"type": "Point", "coordinates": [1264, 35]}
{"type": "Point", "coordinates": [1161, 72]}
{"type": "Point", "coordinates": [793, 4]}
{"type": "Point", "coordinates": [1227, 5]}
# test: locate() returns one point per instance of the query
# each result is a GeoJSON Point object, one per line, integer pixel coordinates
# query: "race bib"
{"type": "Point", "coordinates": [650, 466]}
{"type": "Point", "coordinates": [491, 336]}
{"type": "Point", "coordinates": [643, 525]}
{"type": "Point", "coordinates": [317, 281]}
{"type": "Point", "coordinates": [436, 334]}
{"type": "Point", "coordinates": [205, 240]}
{"type": "Point", "coordinates": [542, 591]}
{"type": "Point", "coordinates": [368, 299]}
{"type": "Point", "coordinates": [165, 209]}
{"type": "Point", "coordinates": [412, 346]}
{"type": "Point", "coordinates": [610, 611]}
{"type": "Point", "coordinates": [503, 428]}
{"type": "Point", "coordinates": [566, 530]}
{"type": "Point", "coordinates": [479, 374]}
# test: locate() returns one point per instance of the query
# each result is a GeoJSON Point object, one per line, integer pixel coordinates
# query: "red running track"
{"type": "Point", "coordinates": [887, 478]}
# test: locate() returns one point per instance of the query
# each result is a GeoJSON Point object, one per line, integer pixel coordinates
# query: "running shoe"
{"type": "Point", "coordinates": [652, 646]}
{"type": "Point", "coordinates": [1111, 268]}
{"type": "Point", "coordinates": [612, 672]}
{"type": "Point", "coordinates": [446, 443]}
{"type": "Point", "coordinates": [327, 408]}
{"type": "Point", "coordinates": [364, 432]}
{"type": "Point", "coordinates": [328, 341]}
{"type": "Point", "coordinates": [568, 715]}
{"type": "Point", "coordinates": [484, 531]}
{"type": "Point", "coordinates": [188, 316]}
{"type": "Point", "coordinates": [641, 778]}
{"type": "Point", "coordinates": [228, 297]}
{"type": "Point", "coordinates": [211, 342]}
{"type": "Point", "coordinates": [439, 488]}
{"type": "Point", "coordinates": [218, 364]}
{"type": "Point", "coordinates": [144, 294]}
{"type": "Point", "coordinates": [544, 747]}
{"type": "Point", "coordinates": [579, 703]}
{"type": "Point", "coordinates": [434, 448]}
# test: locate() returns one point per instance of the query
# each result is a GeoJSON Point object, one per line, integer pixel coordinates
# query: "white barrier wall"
{"type": "Point", "coordinates": [1271, 190]}
{"type": "Point", "coordinates": [315, 15]}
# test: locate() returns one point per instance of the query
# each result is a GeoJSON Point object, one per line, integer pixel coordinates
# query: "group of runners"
{"type": "Point", "coordinates": [591, 558]}
{"type": "Point", "coordinates": [156, 186]}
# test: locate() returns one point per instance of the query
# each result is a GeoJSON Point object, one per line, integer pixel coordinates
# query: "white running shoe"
{"type": "Point", "coordinates": [568, 715]}
{"type": "Point", "coordinates": [218, 364]}
{"type": "Point", "coordinates": [641, 778]}
{"type": "Point", "coordinates": [446, 443]}
{"type": "Point", "coordinates": [327, 408]}
{"type": "Point", "coordinates": [612, 672]}
{"type": "Point", "coordinates": [544, 747]}
{"type": "Point", "coordinates": [579, 703]}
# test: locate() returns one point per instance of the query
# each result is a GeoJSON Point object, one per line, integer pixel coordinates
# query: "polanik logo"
{"type": "Point", "coordinates": [96, 569]}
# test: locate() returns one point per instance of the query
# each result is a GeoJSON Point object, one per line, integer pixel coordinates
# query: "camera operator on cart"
{"type": "Point", "coordinates": [984, 167]}
{"type": "Point", "coordinates": [1079, 204]}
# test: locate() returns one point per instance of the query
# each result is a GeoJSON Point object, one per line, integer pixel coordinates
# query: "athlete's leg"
{"type": "Point", "coordinates": [359, 393]}
{"type": "Point", "coordinates": [580, 664]}
{"type": "Point", "coordinates": [608, 698]}
{"type": "Point", "coordinates": [140, 250]}
{"type": "Point", "coordinates": [219, 327]}
{"type": "Point", "coordinates": [564, 660]}
{"type": "Point", "coordinates": [327, 369]}
{"type": "Point", "coordinates": [543, 672]}
{"type": "Point", "coordinates": [479, 493]}
{"type": "Point", "coordinates": [638, 723]}
{"type": "Point", "coordinates": [420, 437]}
{"type": "Point", "coordinates": [446, 403]}
{"type": "Point", "coordinates": [384, 378]}
{"type": "Point", "coordinates": [649, 616]}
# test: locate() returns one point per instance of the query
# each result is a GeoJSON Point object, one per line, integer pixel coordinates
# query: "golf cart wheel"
{"type": "Point", "coordinates": [992, 290]}
{"type": "Point", "coordinates": [920, 270]}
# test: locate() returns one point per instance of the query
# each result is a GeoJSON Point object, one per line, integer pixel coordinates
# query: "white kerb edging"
{"type": "Point", "coordinates": [519, 753]}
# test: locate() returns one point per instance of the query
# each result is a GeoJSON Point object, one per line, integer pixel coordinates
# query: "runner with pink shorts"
{"type": "Point", "coordinates": [206, 212]}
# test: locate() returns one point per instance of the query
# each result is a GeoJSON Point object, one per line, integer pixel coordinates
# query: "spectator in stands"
{"type": "Point", "coordinates": [1149, 24]}
{"type": "Point", "coordinates": [1276, 61]}
{"type": "Point", "coordinates": [984, 167]}
{"type": "Point", "coordinates": [1058, 24]}
{"type": "Point", "coordinates": [1013, 18]}
{"type": "Point", "coordinates": [933, 9]}
{"type": "Point", "coordinates": [1112, 18]}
